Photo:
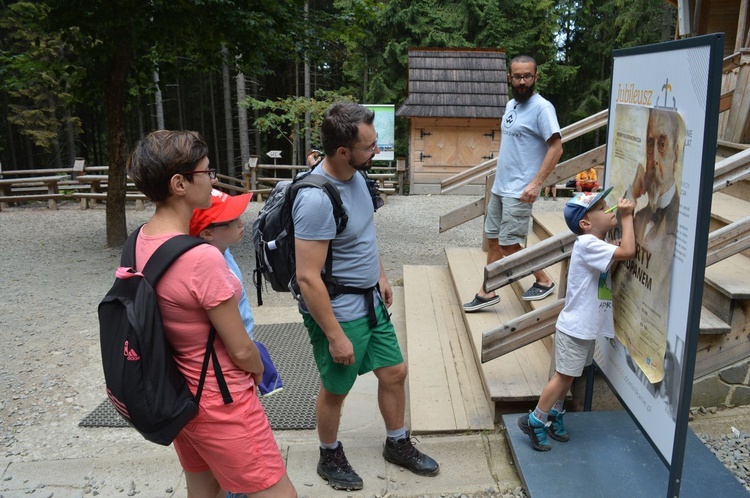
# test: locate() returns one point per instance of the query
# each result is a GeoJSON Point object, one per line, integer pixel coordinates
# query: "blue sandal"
{"type": "Point", "coordinates": [480, 302]}
{"type": "Point", "coordinates": [537, 292]}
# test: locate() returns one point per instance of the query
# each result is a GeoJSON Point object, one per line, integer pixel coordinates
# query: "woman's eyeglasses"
{"type": "Point", "coordinates": [210, 172]}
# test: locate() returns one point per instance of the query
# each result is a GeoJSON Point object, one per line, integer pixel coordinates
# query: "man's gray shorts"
{"type": "Point", "coordinates": [507, 220]}
{"type": "Point", "coordinates": [572, 354]}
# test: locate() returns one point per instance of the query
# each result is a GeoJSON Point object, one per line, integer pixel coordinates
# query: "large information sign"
{"type": "Point", "coordinates": [385, 126]}
{"type": "Point", "coordinates": [660, 153]}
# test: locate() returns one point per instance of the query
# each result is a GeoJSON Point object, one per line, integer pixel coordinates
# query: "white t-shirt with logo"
{"type": "Point", "coordinates": [588, 301]}
{"type": "Point", "coordinates": [526, 128]}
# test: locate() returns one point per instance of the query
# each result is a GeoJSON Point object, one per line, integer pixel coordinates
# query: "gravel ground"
{"type": "Point", "coordinates": [55, 268]}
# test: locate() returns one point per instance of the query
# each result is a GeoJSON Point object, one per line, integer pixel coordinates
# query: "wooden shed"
{"type": "Point", "coordinates": [732, 17]}
{"type": "Point", "coordinates": [456, 99]}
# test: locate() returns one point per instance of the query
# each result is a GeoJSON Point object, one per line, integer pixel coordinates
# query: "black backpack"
{"type": "Point", "coordinates": [273, 234]}
{"type": "Point", "coordinates": [142, 379]}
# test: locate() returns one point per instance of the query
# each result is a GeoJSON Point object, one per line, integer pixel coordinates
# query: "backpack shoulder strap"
{"type": "Point", "coordinates": [158, 263]}
{"type": "Point", "coordinates": [309, 180]}
{"type": "Point", "coordinates": [166, 254]}
{"type": "Point", "coordinates": [127, 258]}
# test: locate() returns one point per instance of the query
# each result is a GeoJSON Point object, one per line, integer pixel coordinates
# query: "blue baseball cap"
{"type": "Point", "coordinates": [578, 206]}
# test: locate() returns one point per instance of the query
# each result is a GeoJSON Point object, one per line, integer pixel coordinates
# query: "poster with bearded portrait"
{"type": "Point", "coordinates": [646, 167]}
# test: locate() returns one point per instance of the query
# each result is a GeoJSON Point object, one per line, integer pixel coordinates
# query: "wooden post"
{"type": "Point", "coordinates": [738, 124]}
{"type": "Point", "coordinates": [741, 26]}
{"type": "Point", "coordinates": [250, 169]}
{"type": "Point", "coordinates": [79, 166]}
{"type": "Point", "coordinates": [487, 194]}
{"type": "Point", "coordinates": [400, 170]}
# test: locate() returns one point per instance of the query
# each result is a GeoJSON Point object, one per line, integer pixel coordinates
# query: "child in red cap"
{"type": "Point", "coordinates": [221, 226]}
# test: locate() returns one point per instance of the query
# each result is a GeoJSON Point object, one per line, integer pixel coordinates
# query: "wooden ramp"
{"type": "Point", "coordinates": [445, 390]}
{"type": "Point", "coordinates": [517, 376]}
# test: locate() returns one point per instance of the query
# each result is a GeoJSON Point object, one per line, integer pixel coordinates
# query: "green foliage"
{"type": "Point", "coordinates": [38, 72]}
{"type": "Point", "coordinates": [285, 117]}
{"type": "Point", "coordinates": [56, 55]}
{"type": "Point", "coordinates": [589, 31]}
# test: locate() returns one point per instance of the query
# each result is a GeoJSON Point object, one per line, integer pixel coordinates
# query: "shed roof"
{"type": "Point", "coordinates": [456, 83]}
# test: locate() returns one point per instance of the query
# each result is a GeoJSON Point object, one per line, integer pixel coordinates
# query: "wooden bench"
{"type": "Point", "coordinates": [85, 197]}
{"type": "Point", "coordinates": [9, 189]}
{"type": "Point", "coordinates": [21, 173]}
{"type": "Point", "coordinates": [51, 198]}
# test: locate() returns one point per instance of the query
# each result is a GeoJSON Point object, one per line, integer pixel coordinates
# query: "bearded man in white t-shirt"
{"type": "Point", "coordinates": [529, 151]}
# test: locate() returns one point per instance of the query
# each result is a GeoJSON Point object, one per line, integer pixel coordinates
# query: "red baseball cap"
{"type": "Point", "coordinates": [224, 207]}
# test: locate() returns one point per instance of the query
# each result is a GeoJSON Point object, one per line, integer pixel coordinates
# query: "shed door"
{"type": "Point", "coordinates": [459, 145]}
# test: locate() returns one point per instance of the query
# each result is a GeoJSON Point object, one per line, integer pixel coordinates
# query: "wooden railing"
{"type": "Point", "coordinates": [722, 243]}
{"type": "Point", "coordinates": [570, 132]}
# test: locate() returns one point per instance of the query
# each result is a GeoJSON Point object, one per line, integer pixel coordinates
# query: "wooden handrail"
{"type": "Point", "coordinates": [527, 261]}
{"type": "Point", "coordinates": [731, 62]}
{"type": "Point", "coordinates": [520, 331]}
{"type": "Point", "coordinates": [731, 170]}
{"type": "Point", "coordinates": [728, 241]}
{"type": "Point", "coordinates": [570, 132]}
{"type": "Point", "coordinates": [563, 170]}
{"type": "Point", "coordinates": [538, 324]}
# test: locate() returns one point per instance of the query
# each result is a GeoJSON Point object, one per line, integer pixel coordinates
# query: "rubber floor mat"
{"type": "Point", "coordinates": [292, 408]}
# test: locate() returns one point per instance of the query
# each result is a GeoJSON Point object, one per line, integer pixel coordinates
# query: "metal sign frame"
{"type": "Point", "coordinates": [645, 57]}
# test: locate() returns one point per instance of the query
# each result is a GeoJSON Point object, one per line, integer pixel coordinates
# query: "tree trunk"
{"type": "Point", "coordinates": [242, 126]}
{"type": "Point", "coordinates": [228, 114]}
{"type": "Point", "coordinates": [71, 138]}
{"type": "Point", "coordinates": [180, 109]}
{"type": "Point", "coordinates": [159, 102]}
{"type": "Point", "coordinates": [29, 153]}
{"type": "Point", "coordinates": [217, 162]}
{"type": "Point", "coordinates": [308, 145]}
{"type": "Point", "coordinates": [9, 130]}
{"type": "Point", "coordinates": [256, 115]}
{"type": "Point", "coordinates": [114, 101]}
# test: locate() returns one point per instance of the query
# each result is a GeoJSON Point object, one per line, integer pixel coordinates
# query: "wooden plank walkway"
{"type": "Point", "coordinates": [445, 390]}
{"type": "Point", "coordinates": [517, 376]}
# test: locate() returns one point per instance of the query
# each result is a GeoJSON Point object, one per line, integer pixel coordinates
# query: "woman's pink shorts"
{"type": "Point", "coordinates": [233, 441]}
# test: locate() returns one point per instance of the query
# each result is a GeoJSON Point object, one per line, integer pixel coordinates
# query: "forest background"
{"type": "Point", "coordinates": [87, 78]}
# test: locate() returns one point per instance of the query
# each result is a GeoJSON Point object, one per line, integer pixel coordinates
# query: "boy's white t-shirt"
{"type": "Point", "coordinates": [588, 302]}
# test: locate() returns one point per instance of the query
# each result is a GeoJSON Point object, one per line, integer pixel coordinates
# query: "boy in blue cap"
{"type": "Point", "coordinates": [588, 307]}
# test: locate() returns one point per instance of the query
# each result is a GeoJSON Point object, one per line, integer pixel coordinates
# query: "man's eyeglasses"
{"type": "Point", "coordinates": [525, 77]}
{"type": "Point", "coordinates": [368, 148]}
{"type": "Point", "coordinates": [232, 223]}
{"type": "Point", "coordinates": [210, 172]}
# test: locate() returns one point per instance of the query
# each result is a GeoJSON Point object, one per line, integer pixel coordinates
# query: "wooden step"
{"type": "Point", "coordinates": [445, 389]}
{"type": "Point", "coordinates": [551, 222]}
{"type": "Point", "coordinates": [517, 376]}
{"type": "Point", "coordinates": [728, 209]}
{"type": "Point", "coordinates": [731, 277]}
{"type": "Point", "coordinates": [712, 324]}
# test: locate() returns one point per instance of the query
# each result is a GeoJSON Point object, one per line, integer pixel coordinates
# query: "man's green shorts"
{"type": "Point", "coordinates": [373, 348]}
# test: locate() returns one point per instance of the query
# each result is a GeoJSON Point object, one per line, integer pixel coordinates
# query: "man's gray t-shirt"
{"type": "Point", "coordinates": [355, 250]}
{"type": "Point", "coordinates": [526, 128]}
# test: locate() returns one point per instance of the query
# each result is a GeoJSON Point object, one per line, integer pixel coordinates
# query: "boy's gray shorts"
{"type": "Point", "coordinates": [572, 354]}
{"type": "Point", "coordinates": [507, 220]}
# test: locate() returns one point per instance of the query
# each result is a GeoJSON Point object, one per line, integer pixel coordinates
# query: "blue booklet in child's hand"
{"type": "Point", "coordinates": [271, 382]}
